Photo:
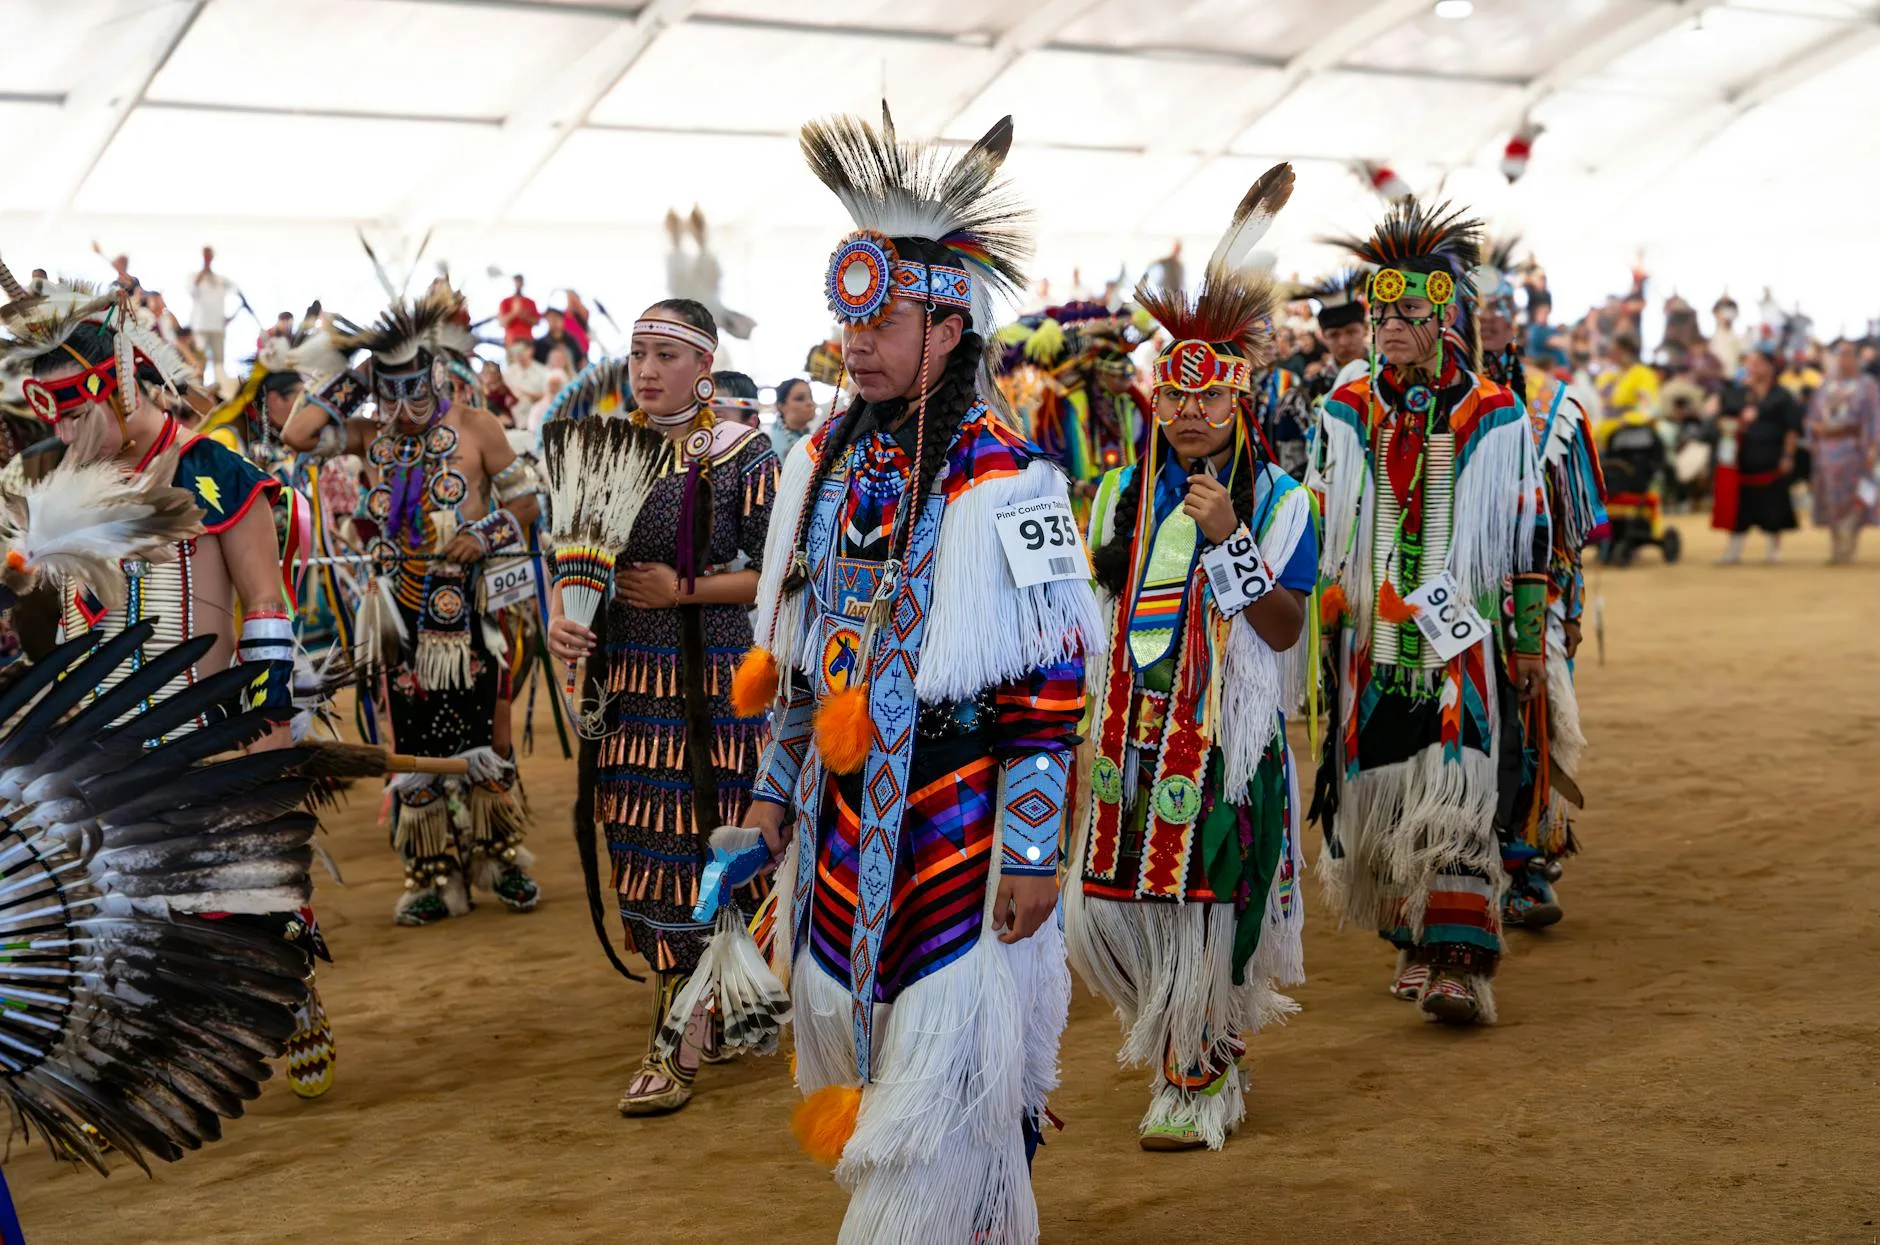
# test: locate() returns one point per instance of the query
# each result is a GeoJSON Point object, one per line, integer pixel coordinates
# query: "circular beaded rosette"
{"type": "Point", "coordinates": [448, 489]}
{"type": "Point", "coordinates": [379, 502]}
{"type": "Point", "coordinates": [1388, 285]}
{"type": "Point", "coordinates": [860, 278]}
{"type": "Point", "coordinates": [1106, 780]}
{"type": "Point", "coordinates": [384, 554]}
{"type": "Point", "coordinates": [440, 441]}
{"type": "Point", "coordinates": [445, 604]}
{"type": "Point", "coordinates": [1439, 288]}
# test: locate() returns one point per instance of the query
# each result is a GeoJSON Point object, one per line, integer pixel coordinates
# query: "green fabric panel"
{"type": "Point", "coordinates": [1266, 808]}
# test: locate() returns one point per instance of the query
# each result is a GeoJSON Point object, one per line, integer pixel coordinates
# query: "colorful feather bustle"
{"type": "Point", "coordinates": [1235, 304]}
{"type": "Point", "coordinates": [79, 521]}
{"type": "Point", "coordinates": [130, 1020]}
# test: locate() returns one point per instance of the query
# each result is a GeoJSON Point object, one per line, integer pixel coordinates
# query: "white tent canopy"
{"type": "Point", "coordinates": [1720, 141]}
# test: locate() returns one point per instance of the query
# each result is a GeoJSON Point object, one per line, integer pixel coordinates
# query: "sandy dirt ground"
{"type": "Point", "coordinates": [1692, 1056]}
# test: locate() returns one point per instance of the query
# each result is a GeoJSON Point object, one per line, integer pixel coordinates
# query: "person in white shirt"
{"type": "Point", "coordinates": [208, 315]}
{"type": "Point", "coordinates": [526, 378]}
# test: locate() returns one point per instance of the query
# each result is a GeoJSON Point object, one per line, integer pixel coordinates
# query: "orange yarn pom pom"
{"type": "Point", "coordinates": [754, 683]}
{"type": "Point", "coordinates": [824, 1122]}
{"type": "Point", "coordinates": [843, 730]}
{"type": "Point", "coordinates": [1391, 607]}
{"type": "Point", "coordinates": [1332, 605]}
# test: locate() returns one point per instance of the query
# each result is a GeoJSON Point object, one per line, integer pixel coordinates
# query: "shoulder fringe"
{"type": "Point", "coordinates": [779, 622]}
{"type": "Point", "coordinates": [1498, 505]}
{"type": "Point", "coordinates": [981, 630]}
{"type": "Point", "coordinates": [1253, 690]}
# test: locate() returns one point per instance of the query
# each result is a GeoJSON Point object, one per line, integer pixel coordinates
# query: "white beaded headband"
{"type": "Point", "coordinates": [696, 338]}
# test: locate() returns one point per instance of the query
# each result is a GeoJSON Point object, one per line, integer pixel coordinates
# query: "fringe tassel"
{"type": "Point", "coordinates": [443, 660]}
{"type": "Point", "coordinates": [379, 628]}
{"type": "Point", "coordinates": [1168, 969]}
{"type": "Point", "coordinates": [421, 828]}
{"type": "Point", "coordinates": [1399, 825]}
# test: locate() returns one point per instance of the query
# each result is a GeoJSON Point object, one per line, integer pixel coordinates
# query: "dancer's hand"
{"type": "Point", "coordinates": [1211, 507]}
{"type": "Point", "coordinates": [647, 586]}
{"type": "Point", "coordinates": [569, 641]}
{"type": "Point", "coordinates": [1024, 902]}
{"type": "Point", "coordinates": [768, 817]}
{"type": "Point", "coordinates": [464, 549]}
{"type": "Point", "coordinates": [1530, 676]}
{"type": "Point", "coordinates": [1574, 635]}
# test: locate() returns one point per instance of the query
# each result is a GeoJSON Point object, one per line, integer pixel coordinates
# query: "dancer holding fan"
{"type": "Point", "coordinates": [673, 762]}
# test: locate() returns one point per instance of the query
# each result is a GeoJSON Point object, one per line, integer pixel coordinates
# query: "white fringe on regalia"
{"type": "Point", "coordinates": [967, 1052]}
{"type": "Point", "coordinates": [1168, 968]}
{"type": "Point", "coordinates": [1401, 825]}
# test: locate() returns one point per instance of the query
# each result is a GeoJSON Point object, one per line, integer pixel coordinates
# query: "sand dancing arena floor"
{"type": "Point", "coordinates": [1692, 1056]}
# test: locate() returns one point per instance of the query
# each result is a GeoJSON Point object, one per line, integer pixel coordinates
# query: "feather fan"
{"type": "Point", "coordinates": [1236, 302]}
{"type": "Point", "coordinates": [80, 520]}
{"type": "Point", "coordinates": [600, 473]}
{"type": "Point", "coordinates": [129, 1020]}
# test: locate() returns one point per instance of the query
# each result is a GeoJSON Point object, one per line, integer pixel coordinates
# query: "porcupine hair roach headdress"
{"type": "Point", "coordinates": [412, 347]}
{"type": "Point", "coordinates": [943, 231]}
{"type": "Point", "coordinates": [96, 328]}
{"type": "Point", "coordinates": [1219, 339]}
{"type": "Point", "coordinates": [898, 189]}
{"type": "Point", "coordinates": [1420, 252]}
{"type": "Point", "coordinates": [1222, 336]}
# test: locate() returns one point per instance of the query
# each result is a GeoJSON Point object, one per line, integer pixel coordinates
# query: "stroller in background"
{"type": "Point", "coordinates": [1633, 456]}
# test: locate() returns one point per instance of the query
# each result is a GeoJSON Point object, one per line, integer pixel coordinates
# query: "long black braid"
{"type": "Point", "coordinates": [1111, 558]}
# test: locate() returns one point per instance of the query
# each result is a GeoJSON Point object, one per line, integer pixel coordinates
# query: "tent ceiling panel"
{"type": "Point", "coordinates": [52, 44]}
{"type": "Point", "coordinates": [375, 56]}
{"type": "Point", "coordinates": [942, 17]}
{"type": "Point", "coordinates": [602, 176]}
{"type": "Point", "coordinates": [1833, 10]}
{"type": "Point", "coordinates": [1849, 91]}
{"type": "Point", "coordinates": [1504, 37]}
{"type": "Point", "coordinates": [1279, 31]}
{"type": "Point", "coordinates": [20, 128]}
{"type": "Point", "coordinates": [334, 176]}
{"type": "Point", "coordinates": [818, 74]}
{"type": "Point", "coordinates": [1722, 48]}
{"type": "Point", "coordinates": [1082, 189]}
{"type": "Point", "coordinates": [1121, 101]}
{"type": "Point", "coordinates": [1586, 128]}
{"type": "Point", "coordinates": [1396, 119]}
